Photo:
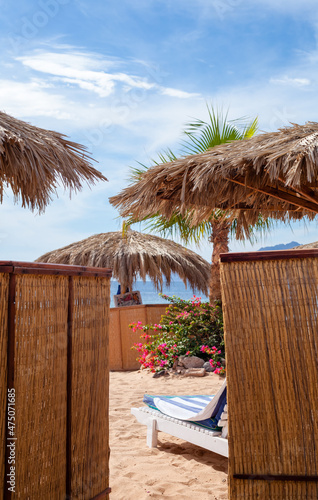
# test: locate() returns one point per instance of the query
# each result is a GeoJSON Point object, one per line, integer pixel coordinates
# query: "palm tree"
{"type": "Point", "coordinates": [202, 136]}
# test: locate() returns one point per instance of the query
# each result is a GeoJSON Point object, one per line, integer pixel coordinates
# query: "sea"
{"type": "Point", "coordinates": [149, 295]}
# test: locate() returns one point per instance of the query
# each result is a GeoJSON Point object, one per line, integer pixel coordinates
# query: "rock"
{"type": "Point", "coordinates": [175, 364]}
{"type": "Point", "coordinates": [162, 373]}
{"type": "Point", "coordinates": [208, 367]}
{"type": "Point", "coordinates": [192, 362]}
{"type": "Point", "coordinates": [195, 372]}
{"type": "Point", "coordinates": [180, 360]}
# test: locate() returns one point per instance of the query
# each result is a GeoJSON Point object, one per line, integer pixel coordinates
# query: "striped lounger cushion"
{"type": "Point", "coordinates": [202, 410]}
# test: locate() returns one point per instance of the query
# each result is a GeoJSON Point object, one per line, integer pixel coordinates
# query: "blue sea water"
{"type": "Point", "coordinates": [149, 294]}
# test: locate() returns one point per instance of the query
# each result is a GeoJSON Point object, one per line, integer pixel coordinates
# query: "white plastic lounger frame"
{"type": "Point", "coordinates": [188, 431]}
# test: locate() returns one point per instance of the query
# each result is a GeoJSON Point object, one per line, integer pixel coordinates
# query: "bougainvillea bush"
{"type": "Point", "coordinates": [188, 328]}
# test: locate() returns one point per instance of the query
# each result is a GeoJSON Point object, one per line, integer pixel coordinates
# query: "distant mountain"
{"type": "Point", "coordinates": [281, 246]}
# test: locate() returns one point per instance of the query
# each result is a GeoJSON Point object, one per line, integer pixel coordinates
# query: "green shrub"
{"type": "Point", "coordinates": [188, 328]}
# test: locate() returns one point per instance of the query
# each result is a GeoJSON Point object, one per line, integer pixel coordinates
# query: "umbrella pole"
{"type": "Point", "coordinates": [124, 286]}
{"type": "Point", "coordinates": [220, 240]}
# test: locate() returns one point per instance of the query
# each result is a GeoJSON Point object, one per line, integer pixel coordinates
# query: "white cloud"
{"type": "Point", "coordinates": [86, 71]}
{"type": "Point", "coordinates": [76, 69]}
{"type": "Point", "coordinates": [103, 89]}
{"type": "Point", "coordinates": [151, 114]}
{"type": "Point", "coordinates": [91, 72]}
{"type": "Point", "coordinates": [295, 82]}
{"type": "Point", "coordinates": [31, 99]}
{"type": "Point", "coordinates": [178, 93]}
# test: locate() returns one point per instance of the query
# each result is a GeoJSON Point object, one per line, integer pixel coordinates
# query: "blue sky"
{"type": "Point", "coordinates": [124, 77]}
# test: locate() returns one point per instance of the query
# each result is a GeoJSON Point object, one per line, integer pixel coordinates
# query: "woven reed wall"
{"type": "Point", "coordinates": [115, 347]}
{"type": "Point", "coordinates": [122, 338]}
{"type": "Point", "coordinates": [40, 369]}
{"type": "Point", "coordinates": [154, 312]}
{"type": "Point", "coordinates": [89, 421]}
{"type": "Point", "coordinates": [271, 335]}
{"type": "Point", "coordinates": [128, 337]}
{"type": "Point", "coordinates": [54, 353]}
{"type": "Point", "coordinates": [4, 293]}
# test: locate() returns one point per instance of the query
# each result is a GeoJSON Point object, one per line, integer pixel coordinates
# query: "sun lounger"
{"type": "Point", "coordinates": [203, 422]}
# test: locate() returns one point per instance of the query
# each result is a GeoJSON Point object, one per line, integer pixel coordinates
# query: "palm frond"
{"type": "Point", "coordinates": [179, 227]}
{"type": "Point", "coordinates": [136, 173]}
{"type": "Point", "coordinates": [163, 157]}
{"type": "Point", "coordinates": [202, 135]}
{"type": "Point", "coordinates": [252, 232]}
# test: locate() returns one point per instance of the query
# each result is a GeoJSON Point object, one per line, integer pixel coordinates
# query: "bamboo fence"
{"type": "Point", "coordinates": [54, 359]}
{"type": "Point", "coordinates": [270, 302]}
{"type": "Point", "coordinates": [122, 338]}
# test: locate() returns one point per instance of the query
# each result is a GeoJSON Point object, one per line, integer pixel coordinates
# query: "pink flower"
{"type": "Point", "coordinates": [187, 353]}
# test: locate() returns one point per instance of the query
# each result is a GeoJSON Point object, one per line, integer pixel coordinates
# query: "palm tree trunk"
{"type": "Point", "coordinates": [220, 240]}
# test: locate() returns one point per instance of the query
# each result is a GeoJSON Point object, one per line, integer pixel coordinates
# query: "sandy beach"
{"type": "Point", "coordinates": [176, 469]}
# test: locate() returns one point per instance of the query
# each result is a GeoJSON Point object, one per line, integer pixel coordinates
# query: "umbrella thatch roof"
{"type": "Point", "coordinates": [135, 254]}
{"type": "Point", "coordinates": [33, 161]}
{"type": "Point", "coordinates": [275, 174]}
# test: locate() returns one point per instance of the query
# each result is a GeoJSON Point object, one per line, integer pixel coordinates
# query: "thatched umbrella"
{"type": "Point", "coordinates": [33, 161]}
{"type": "Point", "coordinates": [134, 254]}
{"type": "Point", "coordinates": [273, 174]}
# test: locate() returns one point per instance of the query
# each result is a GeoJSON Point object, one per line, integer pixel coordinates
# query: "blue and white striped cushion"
{"type": "Point", "coordinates": [200, 409]}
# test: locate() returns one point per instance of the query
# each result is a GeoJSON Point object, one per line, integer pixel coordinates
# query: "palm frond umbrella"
{"type": "Point", "coordinates": [135, 254]}
{"type": "Point", "coordinates": [34, 161]}
{"type": "Point", "coordinates": [273, 174]}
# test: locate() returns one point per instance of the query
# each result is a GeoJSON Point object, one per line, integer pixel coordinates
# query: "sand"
{"type": "Point", "coordinates": [176, 469]}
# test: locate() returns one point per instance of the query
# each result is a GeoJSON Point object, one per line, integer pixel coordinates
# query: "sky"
{"type": "Point", "coordinates": [123, 78]}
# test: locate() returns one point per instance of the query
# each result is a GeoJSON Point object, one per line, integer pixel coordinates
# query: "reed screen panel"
{"type": "Point", "coordinates": [40, 368]}
{"type": "Point", "coordinates": [89, 387]}
{"type": "Point", "coordinates": [4, 297]}
{"type": "Point", "coordinates": [54, 381]}
{"type": "Point", "coordinates": [271, 338]}
{"type": "Point", "coordinates": [122, 338]}
{"type": "Point", "coordinates": [128, 315]}
{"type": "Point", "coordinates": [155, 312]}
{"type": "Point", "coordinates": [115, 343]}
